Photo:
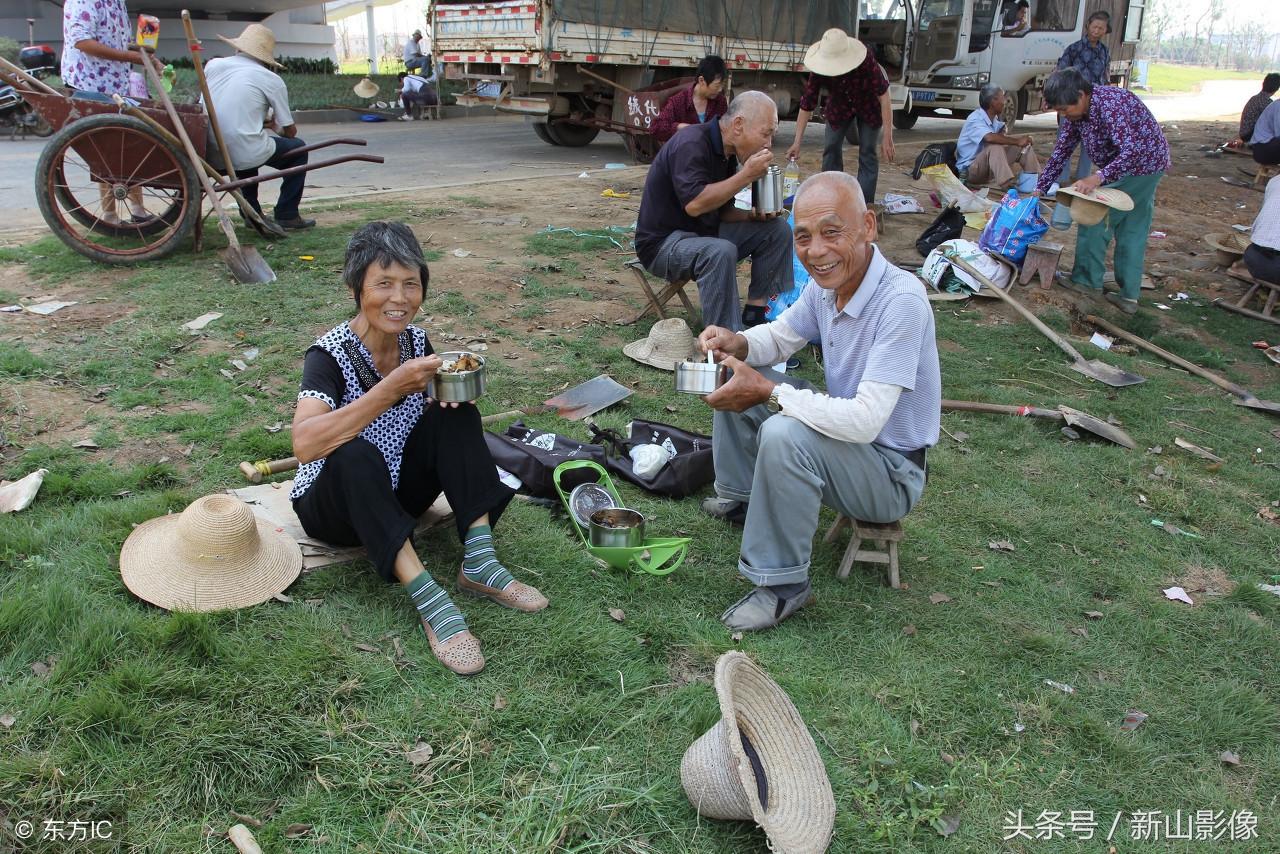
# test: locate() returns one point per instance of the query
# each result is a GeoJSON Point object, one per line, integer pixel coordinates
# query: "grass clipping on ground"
{"type": "Point", "coordinates": [326, 719]}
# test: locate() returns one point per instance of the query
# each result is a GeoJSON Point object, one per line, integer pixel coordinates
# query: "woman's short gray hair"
{"type": "Point", "coordinates": [987, 94]}
{"type": "Point", "coordinates": [386, 243]}
{"type": "Point", "coordinates": [1064, 88]}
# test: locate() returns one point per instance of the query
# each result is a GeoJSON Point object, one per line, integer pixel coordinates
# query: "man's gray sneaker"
{"type": "Point", "coordinates": [765, 607]}
{"type": "Point", "coordinates": [732, 511]}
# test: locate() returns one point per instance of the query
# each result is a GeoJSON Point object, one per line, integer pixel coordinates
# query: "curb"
{"type": "Point", "coordinates": [311, 117]}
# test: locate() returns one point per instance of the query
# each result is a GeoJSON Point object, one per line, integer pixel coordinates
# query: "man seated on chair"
{"type": "Point", "coordinates": [781, 449]}
{"type": "Point", "coordinates": [252, 105]}
{"type": "Point", "coordinates": [414, 59]}
{"type": "Point", "coordinates": [1253, 108]}
{"type": "Point", "coordinates": [1265, 141]}
{"type": "Point", "coordinates": [415, 93]}
{"type": "Point", "coordinates": [688, 226]}
{"type": "Point", "coordinates": [985, 154]}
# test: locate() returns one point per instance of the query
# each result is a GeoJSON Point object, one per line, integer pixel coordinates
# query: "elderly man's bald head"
{"type": "Point", "coordinates": [752, 105]}
{"type": "Point", "coordinates": [842, 184]}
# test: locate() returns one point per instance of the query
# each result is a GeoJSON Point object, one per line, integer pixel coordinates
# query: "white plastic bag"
{"type": "Point", "coordinates": [648, 460]}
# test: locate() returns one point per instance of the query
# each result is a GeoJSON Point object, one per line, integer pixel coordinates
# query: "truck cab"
{"type": "Point", "coordinates": [959, 46]}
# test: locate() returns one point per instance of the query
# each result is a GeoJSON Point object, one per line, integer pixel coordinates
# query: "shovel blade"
{"type": "Point", "coordinates": [1109, 374]}
{"type": "Point", "coordinates": [588, 398]}
{"type": "Point", "coordinates": [247, 265]}
{"type": "Point", "coordinates": [1255, 403]}
{"type": "Point", "coordinates": [1097, 427]}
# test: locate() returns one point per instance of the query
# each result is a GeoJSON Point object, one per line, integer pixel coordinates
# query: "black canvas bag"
{"type": "Point", "coordinates": [532, 455]}
{"type": "Point", "coordinates": [689, 470]}
{"type": "Point", "coordinates": [948, 226]}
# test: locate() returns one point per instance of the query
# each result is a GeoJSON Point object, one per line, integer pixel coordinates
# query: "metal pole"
{"type": "Point", "coordinates": [373, 37]}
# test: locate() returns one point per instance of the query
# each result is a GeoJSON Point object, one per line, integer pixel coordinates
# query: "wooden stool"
{"type": "Point", "coordinates": [1268, 294]}
{"type": "Point", "coordinates": [1265, 174]}
{"type": "Point", "coordinates": [658, 300]}
{"type": "Point", "coordinates": [1042, 259]}
{"type": "Point", "coordinates": [886, 538]}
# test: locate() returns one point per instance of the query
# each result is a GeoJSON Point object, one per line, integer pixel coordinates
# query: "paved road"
{"type": "Point", "coordinates": [496, 148]}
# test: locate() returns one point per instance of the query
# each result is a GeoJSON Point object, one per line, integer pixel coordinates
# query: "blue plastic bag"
{"type": "Point", "coordinates": [783, 301]}
{"type": "Point", "coordinates": [1013, 226]}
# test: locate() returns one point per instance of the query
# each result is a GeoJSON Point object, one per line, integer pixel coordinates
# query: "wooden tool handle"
{"type": "Point", "coordinates": [1018, 307]}
{"type": "Point", "coordinates": [193, 47]}
{"type": "Point", "coordinates": [1220, 382]}
{"type": "Point", "coordinates": [998, 409]}
{"type": "Point", "coordinates": [254, 472]}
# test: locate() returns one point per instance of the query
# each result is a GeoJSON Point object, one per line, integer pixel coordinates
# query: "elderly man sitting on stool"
{"type": "Point", "coordinates": [783, 450]}
{"type": "Point", "coordinates": [688, 227]}
{"type": "Point", "coordinates": [985, 153]}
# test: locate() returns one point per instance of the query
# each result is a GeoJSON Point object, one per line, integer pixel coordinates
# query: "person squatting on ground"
{"type": "Point", "coordinates": [416, 92]}
{"type": "Point", "coordinates": [1253, 109]}
{"type": "Point", "coordinates": [704, 101]}
{"type": "Point", "coordinates": [1092, 59]}
{"type": "Point", "coordinates": [252, 103]}
{"type": "Point", "coordinates": [984, 152]}
{"type": "Point", "coordinates": [688, 226]}
{"type": "Point", "coordinates": [1125, 141]}
{"type": "Point", "coordinates": [857, 106]}
{"type": "Point", "coordinates": [375, 451]}
{"type": "Point", "coordinates": [781, 449]}
{"type": "Point", "coordinates": [95, 65]}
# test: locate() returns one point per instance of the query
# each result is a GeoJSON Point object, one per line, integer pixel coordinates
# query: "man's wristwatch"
{"type": "Point", "coordinates": [773, 404]}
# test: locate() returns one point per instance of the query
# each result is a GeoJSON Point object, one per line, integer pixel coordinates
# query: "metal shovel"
{"type": "Point", "coordinates": [1073, 417]}
{"type": "Point", "coordinates": [1098, 370]}
{"type": "Point", "coordinates": [1244, 397]}
{"type": "Point", "coordinates": [576, 403]}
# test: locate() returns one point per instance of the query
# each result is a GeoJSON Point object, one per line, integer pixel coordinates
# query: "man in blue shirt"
{"type": "Point", "coordinates": [985, 153]}
{"type": "Point", "coordinates": [1092, 59]}
{"type": "Point", "coordinates": [1266, 136]}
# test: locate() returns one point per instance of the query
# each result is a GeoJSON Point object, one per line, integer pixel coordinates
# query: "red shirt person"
{"type": "Point", "coordinates": [702, 102]}
{"type": "Point", "coordinates": [857, 106]}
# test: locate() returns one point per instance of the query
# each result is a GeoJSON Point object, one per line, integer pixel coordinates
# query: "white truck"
{"type": "Point", "coordinates": [958, 46]}
{"type": "Point", "coordinates": [577, 67]}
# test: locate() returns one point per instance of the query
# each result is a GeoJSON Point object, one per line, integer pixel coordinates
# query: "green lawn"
{"type": "Point", "coordinates": [571, 738]}
{"type": "Point", "coordinates": [1166, 79]}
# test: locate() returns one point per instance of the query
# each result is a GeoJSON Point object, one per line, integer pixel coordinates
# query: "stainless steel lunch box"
{"type": "Point", "coordinates": [459, 387]}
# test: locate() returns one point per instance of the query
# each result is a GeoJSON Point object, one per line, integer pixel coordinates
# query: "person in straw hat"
{"type": "Point", "coordinates": [759, 763]}
{"type": "Point", "coordinates": [375, 451]}
{"type": "Point", "coordinates": [1124, 140]}
{"type": "Point", "coordinates": [213, 556]}
{"type": "Point", "coordinates": [857, 106]}
{"type": "Point", "coordinates": [669, 341]}
{"type": "Point", "coordinates": [689, 228]}
{"type": "Point", "coordinates": [781, 449]}
{"type": "Point", "coordinates": [414, 59]}
{"type": "Point", "coordinates": [252, 103]}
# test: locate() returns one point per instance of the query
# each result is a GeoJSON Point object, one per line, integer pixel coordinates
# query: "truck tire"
{"type": "Point", "coordinates": [572, 136]}
{"type": "Point", "coordinates": [1015, 107]}
{"type": "Point", "coordinates": [904, 119]}
{"type": "Point", "coordinates": [540, 128]}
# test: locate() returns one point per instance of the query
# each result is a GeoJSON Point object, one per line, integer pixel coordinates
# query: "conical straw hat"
{"type": "Point", "coordinates": [1090, 209]}
{"type": "Point", "coordinates": [366, 88]}
{"type": "Point", "coordinates": [256, 41]}
{"type": "Point", "coordinates": [838, 53]}
{"type": "Point", "coordinates": [759, 763]}
{"type": "Point", "coordinates": [1234, 243]}
{"type": "Point", "coordinates": [669, 341]}
{"type": "Point", "coordinates": [213, 556]}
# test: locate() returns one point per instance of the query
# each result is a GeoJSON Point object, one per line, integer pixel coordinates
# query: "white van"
{"type": "Point", "coordinates": [956, 47]}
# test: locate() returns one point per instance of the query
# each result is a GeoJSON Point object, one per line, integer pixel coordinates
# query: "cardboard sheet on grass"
{"type": "Point", "coordinates": [270, 502]}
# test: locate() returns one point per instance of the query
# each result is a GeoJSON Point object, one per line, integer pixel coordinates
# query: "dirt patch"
{"type": "Point", "coordinates": [683, 669]}
{"type": "Point", "coordinates": [1205, 580]}
{"type": "Point", "coordinates": [40, 412]}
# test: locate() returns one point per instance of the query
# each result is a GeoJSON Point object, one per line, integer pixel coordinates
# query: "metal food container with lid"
{"type": "Point", "coordinates": [616, 527]}
{"type": "Point", "coordinates": [766, 192]}
{"type": "Point", "coordinates": [459, 386]}
{"type": "Point", "coordinates": [699, 377]}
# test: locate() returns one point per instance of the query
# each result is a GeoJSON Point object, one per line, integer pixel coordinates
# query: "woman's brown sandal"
{"type": "Point", "coordinates": [460, 653]}
{"type": "Point", "coordinates": [517, 595]}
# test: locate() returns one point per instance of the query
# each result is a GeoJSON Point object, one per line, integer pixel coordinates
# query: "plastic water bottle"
{"type": "Point", "coordinates": [790, 181]}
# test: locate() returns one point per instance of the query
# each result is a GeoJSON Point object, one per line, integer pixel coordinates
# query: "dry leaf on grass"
{"type": "Point", "coordinates": [499, 702]}
{"type": "Point", "coordinates": [297, 831]}
{"type": "Point", "coordinates": [281, 597]}
{"type": "Point", "coordinates": [909, 630]}
{"type": "Point", "coordinates": [1093, 615]}
{"type": "Point", "coordinates": [44, 668]}
{"type": "Point", "coordinates": [939, 598]}
{"type": "Point", "coordinates": [1081, 631]}
{"type": "Point", "coordinates": [367, 647]}
{"type": "Point", "coordinates": [1200, 452]}
{"type": "Point", "coordinates": [1229, 759]}
{"type": "Point", "coordinates": [7, 721]}
{"type": "Point", "coordinates": [1061, 686]}
{"type": "Point", "coordinates": [247, 819]}
{"type": "Point", "coordinates": [421, 753]}
{"type": "Point", "coordinates": [1000, 546]}
{"type": "Point", "coordinates": [1266, 514]}
{"type": "Point", "coordinates": [617, 614]}
{"type": "Point", "coordinates": [946, 825]}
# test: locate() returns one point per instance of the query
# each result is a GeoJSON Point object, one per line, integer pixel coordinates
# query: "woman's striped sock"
{"type": "Point", "coordinates": [480, 562]}
{"type": "Point", "coordinates": [435, 607]}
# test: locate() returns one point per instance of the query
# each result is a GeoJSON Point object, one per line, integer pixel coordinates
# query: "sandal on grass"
{"type": "Point", "coordinates": [460, 653]}
{"type": "Point", "coordinates": [517, 595]}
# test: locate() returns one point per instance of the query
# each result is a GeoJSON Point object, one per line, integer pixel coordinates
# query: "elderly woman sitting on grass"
{"type": "Point", "coordinates": [376, 451]}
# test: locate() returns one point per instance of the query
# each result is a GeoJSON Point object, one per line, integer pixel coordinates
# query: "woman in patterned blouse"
{"type": "Point", "coordinates": [376, 451]}
{"type": "Point", "coordinates": [701, 102]}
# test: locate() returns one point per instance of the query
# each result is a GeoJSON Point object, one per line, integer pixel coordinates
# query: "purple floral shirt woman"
{"type": "Point", "coordinates": [106, 21]}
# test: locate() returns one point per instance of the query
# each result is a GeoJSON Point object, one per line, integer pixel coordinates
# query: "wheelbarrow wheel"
{"type": "Point", "coordinates": [91, 169]}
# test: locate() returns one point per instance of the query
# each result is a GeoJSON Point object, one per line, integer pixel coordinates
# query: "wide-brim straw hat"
{"type": "Point", "coordinates": [215, 555]}
{"type": "Point", "coordinates": [366, 88]}
{"type": "Point", "coordinates": [759, 763]}
{"type": "Point", "coordinates": [668, 342]}
{"type": "Point", "coordinates": [1227, 248]}
{"type": "Point", "coordinates": [1091, 209]}
{"type": "Point", "coordinates": [838, 53]}
{"type": "Point", "coordinates": [258, 42]}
